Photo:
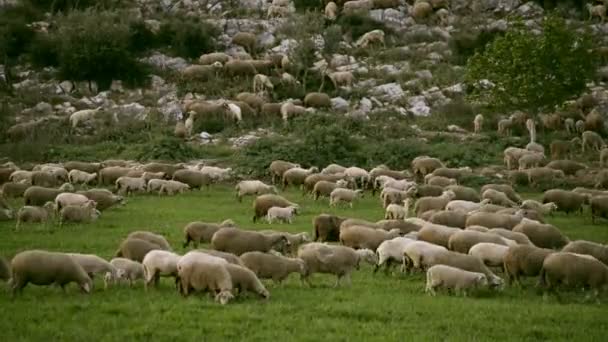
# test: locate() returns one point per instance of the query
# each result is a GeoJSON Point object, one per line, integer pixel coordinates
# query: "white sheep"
{"type": "Point", "coordinates": [391, 251]}
{"type": "Point", "coordinates": [417, 255]}
{"type": "Point", "coordinates": [253, 187]}
{"type": "Point", "coordinates": [570, 126]}
{"type": "Point", "coordinates": [126, 185]}
{"type": "Point", "coordinates": [443, 276]}
{"type": "Point", "coordinates": [375, 36]}
{"type": "Point", "coordinates": [398, 212]}
{"type": "Point", "coordinates": [478, 123]}
{"type": "Point", "coordinates": [358, 176]}
{"type": "Point", "coordinates": [21, 176]}
{"type": "Point", "coordinates": [156, 184]}
{"type": "Point", "coordinates": [66, 198]}
{"type": "Point", "coordinates": [403, 184]}
{"type": "Point", "coordinates": [491, 254]}
{"type": "Point", "coordinates": [159, 263]}
{"type": "Point", "coordinates": [83, 116]}
{"type": "Point", "coordinates": [545, 209]}
{"type": "Point", "coordinates": [80, 177]}
{"type": "Point", "coordinates": [465, 206]}
{"type": "Point", "coordinates": [289, 110]}
{"type": "Point", "coordinates": [282, 214]}
{"type": "Point", "coordinates": [261, 82]}
{"type": "Point", "coordinates": [341, 78]}
{"type": "Point", "coordinates": [233, 111]}
{"type": "Point", "coordinates": [357, 5]}
{"type": "Point", "coordinates": [171, 187]}
{"type": "Point", "coordinates": [331, 10]}
{"type": "Point", "coordinates": [343, 195]}
{"type": "Point", "coordinates": [216, 173]}
{"type": "Point", "coordinates": [287, 78]}
{"type": "Point", "coordinates": [126, 269]}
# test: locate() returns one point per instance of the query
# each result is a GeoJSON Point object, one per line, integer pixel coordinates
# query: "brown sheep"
{"type": "Point", "coordinates": [202, 232]}
{"type": "Point", "coordinates": [278, 167]}
{"type": "Point", "coordinates": [14, 190]}
{"type": "Point", "coordinates": [573, 271]}
{"type": "Point", "coordinates": [462, 241]}
{"type": "Point", "coordinates": [599, 207]}
{"type": "Point", "coordinates": [311, 180]}
{"type": "Point", "coordinates": [542, 235]}
{"type": "Point", "coordinates": [238, 241]}
{"type": "Point", "coordinates": [245, 39]}
{"type": "Point", "coordinates": [264, 202]}
{"type": "Point", "coordinates": [437, 234]}
{"type": "Point", "coordinates": [506, 188]}
{"type": "Point", "coordinates": [253, 100]}
{"type": "Point", "coordinates": [526, 260]}
{"type": "Point", "coordinates": [195, 179]}
{"type": "Point", "coordinates": [464, 193]}
{"type": "Point", "coordinates": [449, 218]}
{"type": "Point", "coordinates": [109, 175]}
{"type": "Point", "coordinates": [493, 220]}
{"type": "Point", "coordinates": [82, 166]}
{"type": "Point", "coordinates": [566, 201]}
{"type": "Point", "coordinates": [326, 227]}
{"type": "Point", "coordinates": [135, 249]}
{"type": "Point", "coordinates": [561, 149]}
{"type": "Point", "coordinates": [157, 239]}
{"type": "Point", "coordinates": [238, 68]}
{"type": "Point", "coordinates": [317, 100]}
{"type": "Point", "coordinates": [596, 250]}
{"type": "Point", "coordinates": [569, 167]}
{"type": "Point", "coordinates": [361, 237]}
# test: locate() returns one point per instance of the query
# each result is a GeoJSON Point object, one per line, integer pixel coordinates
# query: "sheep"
{"type": "Point", "coordinates": [341, 78]}
{"type": "Point", "coordinates": [201, 72]}
{"type": "Point", "coordinates": [245, 39]}
{"type": "Point", "coordinates": [14, 190]}
{"type": "Point", "coordinates": [443, 276]}
{"type": "Point", "coordinates": [159, 263]}
{"type": "Point", "coordinates": [504, 127]}
{"type": "Point", "coordinates": [440, 181]}
{"type": "Point", "coordinates": [79, 213]}
{"type": "Point", "coordinates": [261, 82]}
{"type": "Point", "coordinates": [529, 160]}
{"type": "Point", "coordinates": [544, 174]}
{"type": "Point", "coordinates": [20, 176]}
{"type": "Point", "coordinates": [151, 237]}
{"type": "Point", "coordinates": [237, 241]}
{"type": "Point", "coordinates": [199, 232]}
{"type": "Point", "coordinates": [37, 195]}
{"type": "Point", "coordinates": [337, 260]}
{"type": "Point", "coordinates": [599, 207]}
{"type": "Point", "coordinates": [433, 203]}
{"type": "Point", "coordinates": [511, 156]}
{"type": "Point", "coordinates": [437, 234]}
{"type": "Point", "coordinates": [358, 176]}
{"type": "Point", "coordinates": [339, 195]}
{"type": "Point", "coordinates": [391, 251]}
{"type": "Point", "coordinates": [289, 109]}
{"type": "Point", "coordinates": [194, 179]}
{"type": "Point", "coordinates": [542, 235]}
{"type": "Point", "coordinates": [390, 195]}
{"type": "Point", "coordinates": [45, 268]}
{"type": "Point", "coordinates": [573, 271]}
{"type": "Point", "coordinates": [109, 175]}
{"type": "Point", "coordinates": [561, 148]}
{"type": "Point", "coordinates": [126, 269]}
{"type": "Point", "coordinates": [519, 238]}
{"type": "Point", "coordinates": [544, 209]}
{"type": "Point", "coordinates": [465, 206]}
{"type": "Point", "coordinates": [35, 214]}
{"type": "Point", "coordinates": [324, 188]}
{"type": "Point", "coordinates": [449, 218]}
{"type": "Point", "coordinates": [493, 220]}
{"type": "Point", "coordinates": [361, 237]}
{"type": "Point", "coordinates": [397, 212]}
{"type": "Point", "coordinates": [331, 10]}
{"type": "Point", "coordinates": [205, 275]}
{"type": "Point", "coordinates": [238, 68]}
{"type": "Point", "coordinates": [81, 177]}
{"type": "Point", "coordinates": [357, 5]}
{"type": "Point", "coordinates": [68, 198]}
{"type": "Point", "coordinates": [82, 166]}
{"type": "Point", "coordinates": [244, 279]}
{"type": "Point", "coordinates": [596, 11]}
{"type": "Point", "coordinates": [264, 202]}
{"type": "Point", "coordinates": [317, 100]}
{"type": "Point", "coordinates": [374, 36]}
{"type": "Point", "coordinates": [498, 198]}
{"type": "Point", "coordinates": [282, 214]}
{"type": "Point", "coordinates": [44, 178]}
{"type": "Point", "coordinates": [333, 169]}
{"type": "Point", "coordinates": [478, 123]}
{"type": "Point", "coordinates": [601, 179]}
{"type": "Point", "coordinates": [297, 175]}
{"type": "Point", "coordinates": [295, 240]}
{"type": "Point", "coordinates": [421, 10]}
{"type": "Point", "coordinates": [104, 198]}
{"type": "Point", "coordinates": [83, 116]}
{"type": "Point", "coordinates": [492, 255]}
{"type": "Point", "coordinates": [596, 250]}
{"type": "Point", "coordinates": [216, 173]}
{"type": "Point", "coordinates": [326, 227]}
{"type": "Point", "coordinates": [593, 140]}
{"type": "Point", "coordinates": [569, 167]}
{"type": "Point", "coordinates": [463, 241]}
{"type": "Point", "coordinates": [126, 185]}
{"type": "Point", "coordinates": [524, 260]}
{"type": "Point", "coordinates": [505, 188]}
{"type": "Point", "coordinates": [275, 267]}
{"type": "Point", "coordinates": [604, 157]}
{"type": "Point", "coordinates": [93, 264]}
{"type": "Point", "coordinates": [253, 187]}
{"type": "Point", "coordinates": [566, 201]}
{"type": "Point", "coordinates": [228, 257]}
{"type": "Point", "coordinates": [454, 173]}
{"type": "Point", "coordinates": [171, 187]}
{"type": "Point", "coordinates": [211, 58]}
{"type": "Point", "coordinates": [424, 165]}
{"type": "Point", "coordinates": [278, 167]}
{"type": "Point", "coordinates": [135, 249]}
{"type": "Point", "coordinates": [168, 169]}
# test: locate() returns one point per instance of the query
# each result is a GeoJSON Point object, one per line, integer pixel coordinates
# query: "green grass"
{"type": "Point", "coordinates": [376, 307]}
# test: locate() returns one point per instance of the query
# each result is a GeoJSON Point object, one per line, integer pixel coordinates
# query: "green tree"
{"type": "Point", "coordinates": [532, 72]}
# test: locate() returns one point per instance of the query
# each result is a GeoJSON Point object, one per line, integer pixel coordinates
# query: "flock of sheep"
{"type": "Point", "coordinates": [461, 237]}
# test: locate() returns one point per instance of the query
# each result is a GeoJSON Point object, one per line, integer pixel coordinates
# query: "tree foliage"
{"type": "Point", "coordinates": [530, 71]}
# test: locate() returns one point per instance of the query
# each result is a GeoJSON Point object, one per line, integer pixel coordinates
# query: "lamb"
{"type": "Point", "coordinates": [68, 198]}
{"type": "Point", "coordinates": [574, 271]}
{"type": "Point", "coordinates": [83, 116]}
{"type": "Point", "coordinates": [449, 218]}
{"type": "Point", "coordinates": [326, 227]}
{"type": "Point", "coordinates": [261, 82]}
{"type": "Point", "coordinates": [151, 237]}
{"type": "Point", "coordinates": [498, 198]}
{"type": "Point", "coordinates": [331, 10]}
{"type": "Point", "coordinates": [264, 202]}
{"type": "Point", "coordinates": [437, 234]}
{"type": "Point", "coordinates": [126, 185]}
{"type": "Point", "coordinates": [103, 197]}
{"type": "Point", "coordinates": [79, 213]}
{"type": "Point", "coordinates": [374, 36]}
{"type": "Point", "coordinates": [193, 178]}
{"type": "Point", "coordinates": [520, 238]}
{"type": "Point", "coordinates": [282, 214]}
{"type": "Point", "coordinates": [202, 275]}
{"type": "Point", "coordinates": [599, 207]}
{"type": "Point", "coordinates": [465, 262]}
{"type": "Point", "coordinates": [317, 100]}
{"type": "Point", "coordinates": [81, 177]}
{"type": "Point", "coordinates": [45, 268]}
{"type": "Point", "coordinates": [237, 241]}
{"type": "Point", "coordinates": [463, 241]}
{"type": "Point", "coordinates": [244, 279]}
{"type": "Point", "coordinates": [391, 251]}
{"type": "Point", "coordinates": [566, 201]}
{"type": "Point", "coordinates": [433, 203]}
{"type": "Point", "coordinates": [544, 209]}
{"type": "Point", "coordinates": [443, 276]}
{"type": "Point", "coordinates": [478, 123]}
{"type": "Point", "coordinates": [253, 187]}
{"type": "Point", "coordinates": [593, 140]}
{"type": "Point", "coordinates": [465, 206]}
{"type": "Point", "coordinates": [397, 212]}
{"type": "Point", "coordinates": [504, 127]}
{"type": "Point", "coordinates": [542, 235]}
{"type": "Point", "coordinates": [596, 250]}
{"type": "Point", "coordinates": [506, 188]}
{"type": "Point", "coordinates": [279, 167]}
{"type": "Point", "coordinates": [245, 39]}
{"type": "Point", "coordinates": [198, 232]}
{"type": "Point", "coordinates": [344, 195]}
{"type": "Point", "coordinates": [93, 264]}
{"type": "Point", "coordinates": [337, 260]}
{"type": "Point", "coordinates": [275, 267]}
{"type": "Point", "coordinates": [35, 214]}
{"type": "Point", "coordinates": [297, 175]}
{"type": "Point", "coordinates": [341, 78]}
{"type": "Point", "coordinates": [596, 11]}
{"type": "Point", "coordinates": [135, 249]}
{"type": "Point", "coordinates": [159, 263]}
{"type": "Point", "coordinates": [126, 269]}
{"type": "Point", "coordinates": [171, 187]}
{"type": "Point", "coordinates": [494, 220]}
{"type": "Point", "coordinates": [211, 58]}
{"type": "Point", "coordinates": [361, 237]}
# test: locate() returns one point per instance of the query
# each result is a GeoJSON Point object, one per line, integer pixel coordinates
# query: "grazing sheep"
{"type": "Point", "coordinates": [519, 238]}
{"type": "Point", "coordinates": [285, 215]}
{"type": "Point", "coordinates": [20, 176]}
{"type": "Point", "coordinates": [453, 173]}
{"type": "Point", "coordinates": [297, 175]}
{"type": "Point", "coordinates": [83, 116]}
{"type": "Point", "coordinates": [237, 241]}
{"type": "Point", "coordinates": [82, 166]}
{"type": "Point", "coordinates": [544, 209]}
{"type": "Point", "coordinates": [341, 78]}
{"type": "Point", "coordinates": [424, 165]}
{"type": "Point", "coordinates": [357, 5]}
{"type": "Point", "coordinates": [530, 160]}
{"type": "Point", "coordinates": [295, 240]}
{"type": "Point", "coordinates": [243, 279]}
{"type": "Point", "coordinates": [492, 255]}
{"type": "Point", "coordinates": [323, 188]}
{"type": "Point", "coordinates": [464, 193]}
{"type": "Point", "coordinates": [14, 190]}
{"type": "Point", "coordinates": [599, 207]}
{"type": "Point", "coordinates": [159, 263]}
{"type": "Point", "coordinates": [593, 140]}
{"type": "Point", "coordinates": [526, 260]}
{"type": "Point", "coordinates": [201, 72]}
{"type": "Point", "coordinates": [463, 261]}
{"type": "Point", "coordinates": [126, 269]}
{"type": "Point", "coordinates": [261, 82]}
{"type": "Point", "coordinates": [424, 204]}
{"type": "Point", "coordinates": [463, 241]}
{"type": "Point", "coordinates": [326, 227]}
{"type": "Point", "coordinates": [245, 39]}
{"type": "Point", "coordinates": [337, 260]}
{"type": "Point", "coordinates": [447, 277]}
{"type": "Point", "coordinates": [46, 179]}
{"type": "Point", "coordinates": [333, 169]}
{"type": "Point", "coordinates": [374, 36]}
{"type": "Point", "coordinates": [135, 249]}
{"type": "Point", "coordinates": [397, 212]}
{"type": "Point", "coordinates": [493, 220]}
{"type": "Point", "coordinates": [543, 175]}
{"type": "Point", "coordinates": [362, 237]}
{"type": "Point", "coordinates": [103, 197]}
{"type": "Point", "coordinates": [171, 187]}
{"type": "Point", "coordinates": [270, 266]}
{"type": "Point", "coordinates": [35, 214]}
{"type": "Point", "coordinates": [253, 187]}
{"type": "Point", "coordinates": [194, 179]}
{"type": "Point", "coordinates": [417, 251]}
{"type": "Point", "coordinates": [289, 109]}
{"type": "Point", "coordinates": [202, 232]}
{"type": "Point", "coordinates": [421, 10]}
{"type": "Point", "coordinates": [278, 167]}
{"type": "Point", "coordinates": [228, 257]}
{"type": "Point", "coordinates": [339, 195]}
{"type": "Point", "coordinates": [542, 235]}
{"type": "Point", "coordinates": [331, 10]}
{"type": "Point", "coordinates": [569, 167]}
{"type": "Point", "coordinates": [126, 185]}
{"type": "Point", "coordinates": [465, 206]}
{"type": "Point", "coordinates": [239, 68]}
{"type": "Point", "coordinates": [211, 58]}
{"type": "Point", "coordinates": [573, 271]}
{"type": "Point", "coordinates": [506, 188]}
{"type": "Point", "coordinates": [45, 268]}
{"type": "Point", "coordinates": [449, 218]}
{"type": "Point", "coordinates": [68, 198]}
{"type": "Point", "coordinates": [79, 213]}
{"type": "Point", "coordinates": [393, 196]}
{"type": "Point", "coordinates": [566, 201]}
{"type": "Point", "coordinates": [109, 175]}
{"type": "Point", "coordinates": [37, 195]}
{"type": "Point", "coordinates": [478, 123]}
{"type": "Point", "coordinates": [93, 264]}
{"type": "Point", "coordinates": [151, 237]}
{"type": "Point", "coordinates": [604, 157]}
{"type": "Point", "coordinates": [317, 100]}
{"type": "Point", "coordinates": [439, 181]}
{"type": "Point", "coordinates": [498, 198]}
{"type": "Point", "coordinates": [357, 176]}
{"type": "Point", "coordinates": [437, 234]}
{"type": "Point", "coordinates": [596, 250]}
{"type": "Point", "coordinates": [264, 202]}
{"type": "Point", "coordinates": [201, 275]}
{"type": "Point", "coordinates": [561, 149]}
{"type": "Point", "coordinates": [81, 177]}
{"type": "Point", "coordinates": [391, 251]}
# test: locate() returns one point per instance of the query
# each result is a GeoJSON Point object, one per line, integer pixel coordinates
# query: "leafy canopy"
{"type": "Point", "coordinates": [532, 72]}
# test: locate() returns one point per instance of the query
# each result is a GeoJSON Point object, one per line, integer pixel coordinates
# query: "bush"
{"type": "Point", "coordinates": [303, 5]}
{"type": "Point", "coordinates": [43, 51]}
{"type": "Point", "coordinates": [68, 5]}
{"type": "Point", "coordinates": [96, 47]}
{"type": "Point", "coordinates": [533, 72]}
{"type": "Point", "coordinates": [466, 43]}
{"type": "Point", "coordinates": [169, 149]}
{"type": "Point", "coordinates": [15, 36]}
{"type": "Point", "coordinates": [188, 38]}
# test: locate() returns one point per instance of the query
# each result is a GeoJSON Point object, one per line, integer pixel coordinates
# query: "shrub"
{"type": "Point", "coordinates": [15, 36]}
{"type": "Point", "coordinates": [43, 51]}
{"type": "Point", "coordinates": [533, 72]}
{"type": "Point", "coordinates": [167, 148]}
{"type": "Point", "coordinates": [303, 5]}
{"type": "Point", "coordinates": [188, 38]}
{"type": "Point", "coordinates": [68, 5]}
{"type": "Point", "coordinates": [468, 42]}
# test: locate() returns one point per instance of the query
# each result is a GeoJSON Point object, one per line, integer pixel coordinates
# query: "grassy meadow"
{"type": "Point", "coordinates": [376, 307]}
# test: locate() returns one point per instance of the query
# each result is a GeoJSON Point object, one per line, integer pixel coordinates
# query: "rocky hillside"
{"type": "Point", "coordinates": [138, 72]}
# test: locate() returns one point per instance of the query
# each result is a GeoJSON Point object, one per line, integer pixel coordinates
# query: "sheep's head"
{"type": "Point", "coordinates": [367, 255]}
{"type": "Point", "coordinates": [450, 194]}
{"type": "Point", "coordinates": [67, 187]}
{"type": "Point", "coordinates": [50, 207]}
{"type": "Point", "coordinates": [481, 280]}
{"type": "Point", "coordinates": [281, 244]}
{"type": "Point", "coordinates": [224, 297]}
{"type": "Point", "coordinates": [228, 223]}
{"type": "Point", "coordinates": [551, 206]}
